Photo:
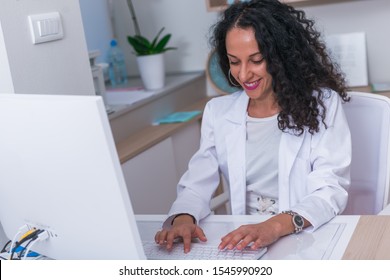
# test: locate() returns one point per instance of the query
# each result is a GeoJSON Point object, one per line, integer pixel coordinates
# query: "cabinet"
{"type": "Point", "coordinates": [154, 158]}
{"type": "Point", "coordinates": [151, 176]}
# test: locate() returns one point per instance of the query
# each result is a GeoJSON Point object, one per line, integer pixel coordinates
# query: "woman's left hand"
{"type": "Point", "coordinates": [257, 235]}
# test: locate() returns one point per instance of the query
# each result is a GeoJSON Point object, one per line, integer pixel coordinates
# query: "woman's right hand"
{"type": "Point", "coordinates": [183, 227]}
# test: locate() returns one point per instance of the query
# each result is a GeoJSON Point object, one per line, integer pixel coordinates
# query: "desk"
{"type": "Point", "coordinates": [328, 242]}
{"type": "Point", "coordinates": [344, 237]}
{"type": "Point", "coordinates": [370, 239]}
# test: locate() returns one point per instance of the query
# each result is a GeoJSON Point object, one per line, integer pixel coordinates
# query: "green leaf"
{"type": "Point", "coordinates": [143, 41]}
{"type": "Point", "coordinates": [157, 36]}
{"type": "Point", "coordinates": [164, 41]}
{"type": "Point", "coordinates": [139, 47]}
{"type": "Point", "coordinates": [168, 49]}
{"type": "Point", "coordinates": [142, 46]}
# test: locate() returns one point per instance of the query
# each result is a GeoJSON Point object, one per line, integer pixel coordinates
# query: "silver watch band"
{"type": "Point", "coordinates": [297, 220]}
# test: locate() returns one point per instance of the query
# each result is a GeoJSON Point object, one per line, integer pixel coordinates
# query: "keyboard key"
{"type": "Point", "coordinates": [199, 251]}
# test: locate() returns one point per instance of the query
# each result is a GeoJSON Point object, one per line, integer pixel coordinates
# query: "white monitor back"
{"type": "Point", "coordinates": [60, 172]}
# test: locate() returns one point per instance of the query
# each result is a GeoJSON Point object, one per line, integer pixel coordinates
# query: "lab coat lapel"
{"type": "Point", "coordinates": [235, 147]}
{"type": "Point", "coordinates": [290, 145]}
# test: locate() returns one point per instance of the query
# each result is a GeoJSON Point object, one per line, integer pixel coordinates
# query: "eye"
{"type": "Point", "coordinates": [258, 61]}
{"type": "Point", "coordinates": [233, 62]}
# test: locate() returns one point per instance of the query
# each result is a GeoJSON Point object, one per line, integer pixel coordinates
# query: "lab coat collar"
{"type": "Point", "coordinates": [237, 112]}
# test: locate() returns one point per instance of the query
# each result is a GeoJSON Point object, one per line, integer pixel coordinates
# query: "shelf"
{"type": "Point", "coordinates": [151, 135]}
{"type": "Point", "coordinates": [220, 5]}
{"type": "Point", "coordinates": [181, 90]}
{"type": "Point", "coordinates": [301, 3]}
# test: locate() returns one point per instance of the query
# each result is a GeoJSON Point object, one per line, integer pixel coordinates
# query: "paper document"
{"type": "Point", "coordinates": [349, 51]}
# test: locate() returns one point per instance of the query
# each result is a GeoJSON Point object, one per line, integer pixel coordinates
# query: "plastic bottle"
{"type": "Point", "coordinates": [117, 67]}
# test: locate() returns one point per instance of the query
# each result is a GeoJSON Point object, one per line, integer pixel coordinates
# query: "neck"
{"type": "Point", "coordinates": [262, 109]}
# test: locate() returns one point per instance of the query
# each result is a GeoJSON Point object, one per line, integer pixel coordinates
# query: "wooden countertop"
{"type": "Point", "coordinates": [370, 240]}
{"type": "Point", "coordinates": [151, 135]}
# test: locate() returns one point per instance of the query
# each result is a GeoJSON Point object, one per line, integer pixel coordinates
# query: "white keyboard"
{"type": "Point", "coordinates": [199, 251]}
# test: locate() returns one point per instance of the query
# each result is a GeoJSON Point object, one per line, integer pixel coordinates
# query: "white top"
{"type": "Point", "coordinates": [262, 151]}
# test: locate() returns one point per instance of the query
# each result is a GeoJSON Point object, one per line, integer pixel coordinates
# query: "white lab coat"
{"type": "Point", "coordinates": [314, 170]}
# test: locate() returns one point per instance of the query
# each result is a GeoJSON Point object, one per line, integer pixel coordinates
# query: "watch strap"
{"type": "Point", "coordinates": [297, 227]}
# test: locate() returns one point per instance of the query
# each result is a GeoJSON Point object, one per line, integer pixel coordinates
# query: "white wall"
{"type": "Point", "coordinates": [189, 23]}
{"type": "Point", "coordinates": [57, 67]}
{"type": "Point", "coordinates": [97, 25]}
{"type": "Point", "coordinates": [369, 16]}
{"type": "Point", "coordinates": [62, 66]}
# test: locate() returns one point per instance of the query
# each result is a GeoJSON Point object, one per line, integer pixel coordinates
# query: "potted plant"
{"type": "Point", "coordinates": [150, 58]}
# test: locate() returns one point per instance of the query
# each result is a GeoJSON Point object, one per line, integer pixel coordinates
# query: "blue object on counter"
{"type": "Point", "coordinates": [117, 72]}
{"type": "Point", "coordinates": [177, 117]}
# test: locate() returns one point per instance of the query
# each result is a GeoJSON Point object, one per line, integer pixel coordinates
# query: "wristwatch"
{"type": "Point", "coordinates": [297, 220]}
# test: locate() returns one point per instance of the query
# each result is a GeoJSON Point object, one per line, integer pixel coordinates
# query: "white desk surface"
{"type": "Point", "coordinates": [328, 242]}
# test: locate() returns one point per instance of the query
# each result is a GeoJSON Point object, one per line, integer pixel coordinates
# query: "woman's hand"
{"type": "Point", "coordinates": [258, 235]}
{"type": "Point", "coordinates": [183, 226]}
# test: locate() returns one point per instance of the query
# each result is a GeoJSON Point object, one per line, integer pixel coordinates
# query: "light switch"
{"type": "Point", "coordinates": [45, 27]}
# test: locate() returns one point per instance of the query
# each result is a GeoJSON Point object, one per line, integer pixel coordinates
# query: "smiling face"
{"type": "Point", "coordinates": [247, 65]}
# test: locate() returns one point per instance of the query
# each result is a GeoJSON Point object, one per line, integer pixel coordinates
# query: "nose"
{"type": "Point", "coordinates": [244, 73]}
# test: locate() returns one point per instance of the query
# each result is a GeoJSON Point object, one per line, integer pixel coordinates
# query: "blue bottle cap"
{"type": "Point", "coordinates": [113, 43]}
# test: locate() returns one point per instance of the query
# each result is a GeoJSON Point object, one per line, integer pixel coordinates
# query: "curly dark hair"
{"type": "Point", "coordinates": [296, 59]}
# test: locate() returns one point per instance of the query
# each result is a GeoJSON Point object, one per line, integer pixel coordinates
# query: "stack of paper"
{"type": "Point", "coordinates": [349, 51]}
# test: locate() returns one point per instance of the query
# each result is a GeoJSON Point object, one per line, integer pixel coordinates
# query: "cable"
{"type": "Point", "coordinates": [21, 253]}
{"type": "Point", "coordinates": [15, 238]}
{"type": "Point", "coordinates": [28, 247]}
{"type": "Point", "coordinates": [29, 235]}
{"type": "Point", "coordinates": [5, 246]}
{"type": "Point", "coordinates": [43, 235]}
{"type": "Point", "coordinates": [32, 234]}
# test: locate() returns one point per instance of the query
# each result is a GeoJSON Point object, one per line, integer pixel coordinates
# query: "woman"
{"type": "Point", "coordinates": [282, 141]}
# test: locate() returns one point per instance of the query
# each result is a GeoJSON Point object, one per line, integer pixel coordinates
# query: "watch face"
{"type": "Point", "coordinates": [298, 220]}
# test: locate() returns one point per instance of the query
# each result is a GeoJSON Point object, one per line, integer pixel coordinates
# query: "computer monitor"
{"type": "Point", "coordinates": [59, 171]}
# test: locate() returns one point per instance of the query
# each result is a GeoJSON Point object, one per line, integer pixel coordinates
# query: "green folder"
{"type": "Point", "coordinates": [177, 117]}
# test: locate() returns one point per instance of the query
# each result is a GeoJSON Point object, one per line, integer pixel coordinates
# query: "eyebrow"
{"type": "Point", "coordinates": [233, 56]}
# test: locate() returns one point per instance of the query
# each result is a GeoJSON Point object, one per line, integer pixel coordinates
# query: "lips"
{"type": "Point", "coordinates": [252, 85]}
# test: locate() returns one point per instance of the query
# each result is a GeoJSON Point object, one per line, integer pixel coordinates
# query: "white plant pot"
{"type": "Point", "coordinates": [152, 71]}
